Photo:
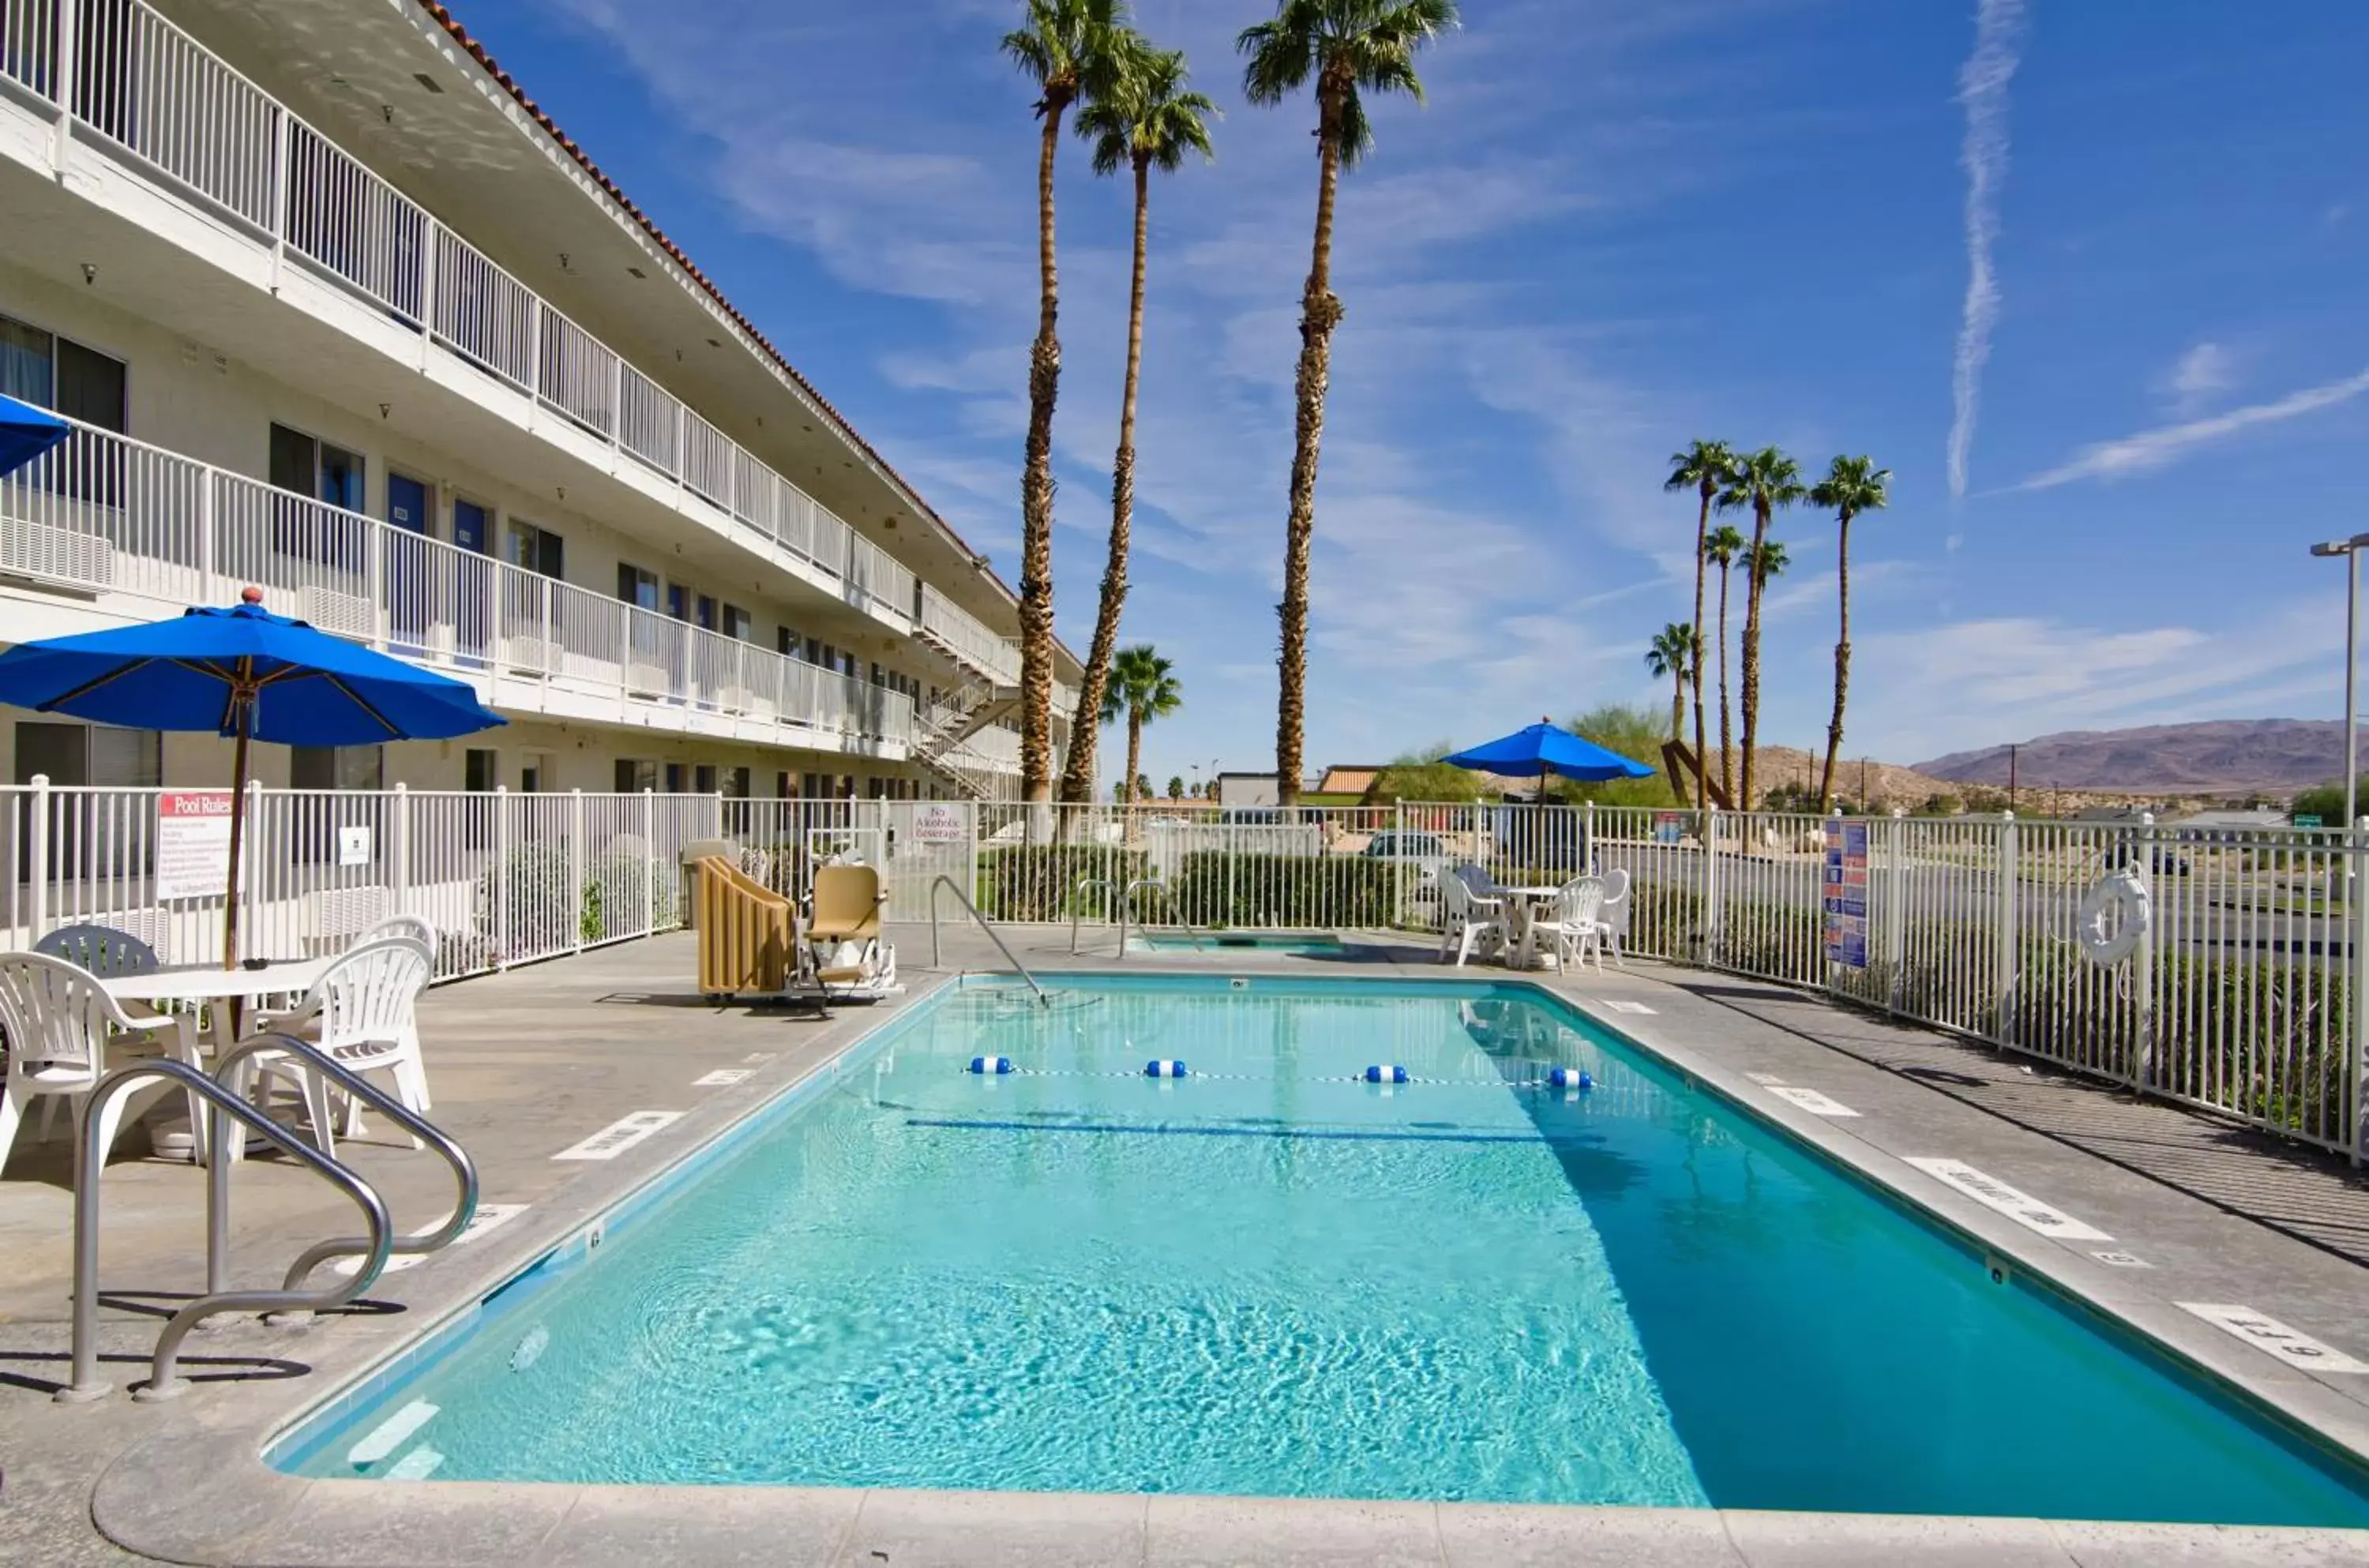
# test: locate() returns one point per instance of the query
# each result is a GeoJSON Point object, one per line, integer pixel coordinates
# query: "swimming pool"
{"type": "Point", "coordinates": [1304, 943]}
{"type": "Point", "coordinates": [1270, 1278]}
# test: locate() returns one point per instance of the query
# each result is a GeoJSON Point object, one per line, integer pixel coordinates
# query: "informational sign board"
{"type": "Point", "coordinates": [354, 845]}
{"type": "Point", "coordinates": [1845, 893]}
{"type": "Point", "coordinates": [939, 824]}
{"type": "Point", "coordinates": [2306, 819]}
{"type": "Point", "coordinates": [192, 844]}
{"type": "Point", "coordinates": [1669, 826]}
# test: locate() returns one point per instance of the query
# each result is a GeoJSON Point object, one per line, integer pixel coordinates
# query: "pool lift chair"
{"type": "Point", "coordinates": [843, 953]}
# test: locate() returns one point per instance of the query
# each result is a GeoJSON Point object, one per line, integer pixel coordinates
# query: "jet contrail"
{"type": "Point", "coordinates": [1982, 87]}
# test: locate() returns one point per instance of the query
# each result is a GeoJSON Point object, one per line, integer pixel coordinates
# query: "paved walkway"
{"type": "Point", "coordinates": [526, 1064]}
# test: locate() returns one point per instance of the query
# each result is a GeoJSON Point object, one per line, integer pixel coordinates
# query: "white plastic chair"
{"type": "Point", "coordinates": [360, 1013]}
{"type": "Point", "coordinates": [1575, 926]}
{"type": "Point", "coordinates": [415, 927]}
{"type": "Point", "coordinates": [1468, 914]}
{"type": "Point", "coordinates": [59, 1019]}
{"type": "Point", "coordinates": [1612, 917]}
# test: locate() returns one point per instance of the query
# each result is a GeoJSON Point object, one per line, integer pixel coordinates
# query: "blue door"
{"type": "Point", "coordinates": [410, 565]}
{"type": "Point", "coordinates": [472, 581]}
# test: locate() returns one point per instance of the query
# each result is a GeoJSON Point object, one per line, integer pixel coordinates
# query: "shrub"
{"type": "Point", "coordinates": [1034, 882]}
{"type": "Point", "coordinates": [1213, 888]}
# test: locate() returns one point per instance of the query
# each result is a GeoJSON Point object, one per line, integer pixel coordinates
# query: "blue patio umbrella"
{"type": "Point", "coordinates": [25, 432]}
{"type": "Point", "coordinates": [240, 671]}
{"type": "Point", "coordinates": [1545, 748]}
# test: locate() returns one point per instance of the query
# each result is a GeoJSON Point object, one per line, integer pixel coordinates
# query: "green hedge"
{"type": "Point", "coordinates": [1213, 888]}
{"type": "Point", "coordinates": [1033, 882]}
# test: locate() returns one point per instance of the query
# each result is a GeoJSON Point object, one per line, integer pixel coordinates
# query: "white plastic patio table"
{"type": "Point", "coordinates": [1525, 904]}
{"type": "Point", "coordinates": [218, 988]}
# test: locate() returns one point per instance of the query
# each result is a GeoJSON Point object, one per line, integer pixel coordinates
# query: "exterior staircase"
{"type": "Point", "coordinates": [942, 744]}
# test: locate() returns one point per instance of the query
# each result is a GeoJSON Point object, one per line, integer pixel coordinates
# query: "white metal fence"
{"type": "Point", "coordinates": [122, 77]}
{"type": "Point", "coordinates": [504, 878]}
{"type": "Point", "coordinates": [2245, 997]}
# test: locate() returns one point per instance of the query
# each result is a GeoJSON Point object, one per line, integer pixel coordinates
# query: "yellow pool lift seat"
{"type": "Point", "coordinates": [844, 953]}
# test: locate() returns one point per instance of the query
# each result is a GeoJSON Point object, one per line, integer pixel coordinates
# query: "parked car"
{"type": "Point", "coordinates": [2162, 859]}
{"type": "Point", "coordinates": [1423, 851]}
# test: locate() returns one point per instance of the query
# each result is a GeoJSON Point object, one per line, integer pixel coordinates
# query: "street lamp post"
{"type": "Point", "coordinates": [2351, 550]}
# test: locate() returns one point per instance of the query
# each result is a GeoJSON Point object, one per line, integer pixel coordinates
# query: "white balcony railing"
{"type": "Point", "coordinates": [104, 514]}
{"type": "Point", "coordinates": [150, 91]}
{"type": "Point", "coordinates": [968, 638]}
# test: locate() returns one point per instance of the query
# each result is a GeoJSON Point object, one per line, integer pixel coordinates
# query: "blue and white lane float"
{"type": "Point", "coordinates": [1163, 1067]}
{"type": "Point", "coordinates": [1570, 1078]}
{"type": "Point", "coordinates": [991, 1066]}
{"type": "Point", "coordinates": [1386, 1074]}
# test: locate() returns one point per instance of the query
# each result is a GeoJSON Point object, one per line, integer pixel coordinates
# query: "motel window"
{"type": "Point", "coordinates": [303, 466]}
{"type": "Point", "coordinates": [637, 587]}
{"type": "Point", "coordinates": [703, 779]}
{"type": "Point", "coordinates": [98, 754]}
{"type": "Point", "coordinates": [481, 768]}
{"type": "Point", "coordinates": [61, 374]}
{"type": "Point", "coordinates": [676, 778]}
{"type": "Point", "coordinates": [538, 550]}
{"type": "Point", "coordinates": [737, 625]}
{"type": "Point", "coordinates": [787, 643]}
{"type": "Point", "coordinates": [734, 783]}
{"type": "Point", "coordinates": [337, 767]}
{"type": "Point", "coordinates": [635, 776]}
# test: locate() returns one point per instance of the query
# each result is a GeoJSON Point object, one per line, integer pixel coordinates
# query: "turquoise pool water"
{"type": "Point", "coordinates": [1304, 943]}
{"type": "Point", "coordinates": [1268, 1278]}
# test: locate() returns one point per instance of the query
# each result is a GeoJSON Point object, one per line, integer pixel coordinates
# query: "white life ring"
{"type": "Point", "coordinates": [2113, 917]}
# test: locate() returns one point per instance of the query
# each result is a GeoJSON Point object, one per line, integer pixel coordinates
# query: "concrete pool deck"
{"type": "Point", "coordinates": [526, 1064]}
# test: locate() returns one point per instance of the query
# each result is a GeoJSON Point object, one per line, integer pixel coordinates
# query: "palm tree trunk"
{"type": "Point", "coordinates": [1842, 670]}
{"type": "Point", "coordinates": [1726, 744]}
{"type": "Point", "coordinates": [1134, 755]}
{"type": "Point", "coordinates": [1702, 531]}
{"type": "Point", "coordinates": [1036, 496]}
{"type": "Point", "coordinates": [1678, 704]}
{"type": "Point", "coordinates": [1078, 779]}
{"type": "Point", "coordinates": [1751, 697]}
{"type": "Point", "coordinates": [1319, 313]}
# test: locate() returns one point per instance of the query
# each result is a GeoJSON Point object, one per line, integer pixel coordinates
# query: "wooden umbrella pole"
{"type": "Point", "coordinates": [243, 700]}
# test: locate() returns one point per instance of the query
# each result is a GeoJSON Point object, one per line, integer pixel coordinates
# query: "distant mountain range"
{"type": "Point", "coordinates": [2273, 756]}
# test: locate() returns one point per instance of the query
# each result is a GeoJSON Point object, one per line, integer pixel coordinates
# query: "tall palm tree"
{"type": "Point", "coordinates": [1143, 687]}
{"type": "Point", "coordinates": [1852, 485]}
{"type": "Point", "coordinates": [1721, 548]}
{"type": "Point", "coordinates": [1066, 47]}
{"type": "Point", "coordinates": [1766, 481]}
{"type": "Point", "coordinates": [1768, 559]}
{"type": "Point", "coordinates": [1706, 468]}
{"type": "Point", "coordinates": [1346, 47]}
{"type": "Point", "coordinates": [1672, 653]}
{"type": "Point", "coordinates": [1144, 120]}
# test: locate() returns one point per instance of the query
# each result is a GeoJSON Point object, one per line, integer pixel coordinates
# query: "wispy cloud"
{"type": "Point", "coordinates": [2193, 378]}
{"type": "Point", "coordinates": [2151, 450]}
{"type": "Point", "coordinates": [1982, 87]}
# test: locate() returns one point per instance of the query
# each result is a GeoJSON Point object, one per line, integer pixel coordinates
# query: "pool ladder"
{"type": "Point", "coordinates": [229, 1106]}
{"type": "Point", "coordinates": [1126, 891]}
{"type": "Point", "coordinates": [970, 909]}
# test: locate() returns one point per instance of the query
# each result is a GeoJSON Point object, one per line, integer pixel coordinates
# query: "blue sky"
{"type": "Point", "coordinates": [1616, 227]}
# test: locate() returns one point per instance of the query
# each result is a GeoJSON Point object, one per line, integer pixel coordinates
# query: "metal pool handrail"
{"type": "Point", "coordinates": [89, 1156]}
{"type": "Point", "coordinates": [972, 909]}
{"type": "Point", "coordinates": [1107, 886]}
{"type": "Point", "coordinates": [464, 1171]}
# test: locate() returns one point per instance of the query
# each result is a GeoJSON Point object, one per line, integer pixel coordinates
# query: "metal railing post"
{"type": "Point", "coordinates": [429, 229]}
{"type": "Point", "coordinates": [1895, 917]}
{"type": "Point", "coordinates": [398, 848]}
{"type": "Point", "coordinates": [69, 73]}
{"type": "Point", "coordinates": [281, 143]}
{"type": "Point", "coordinates": [501, 876]}
{"type": "Point", "coordinates": [649, 867]}
{"type": "Point", "coordinates": [2010, 939]}
{"type": "Point", "coordinates": [2356, 1082]}
{"type": "Point", "coordinates": [37, 857]}
{"type": "Point", "coordinates": [576, 869]}
{"type": "Point", "coordinates": [1710, 910]}
{"type": "Point", "coordinates": [207, 487]}
{"type": "Point", "coordinates": [2142, 1071]}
